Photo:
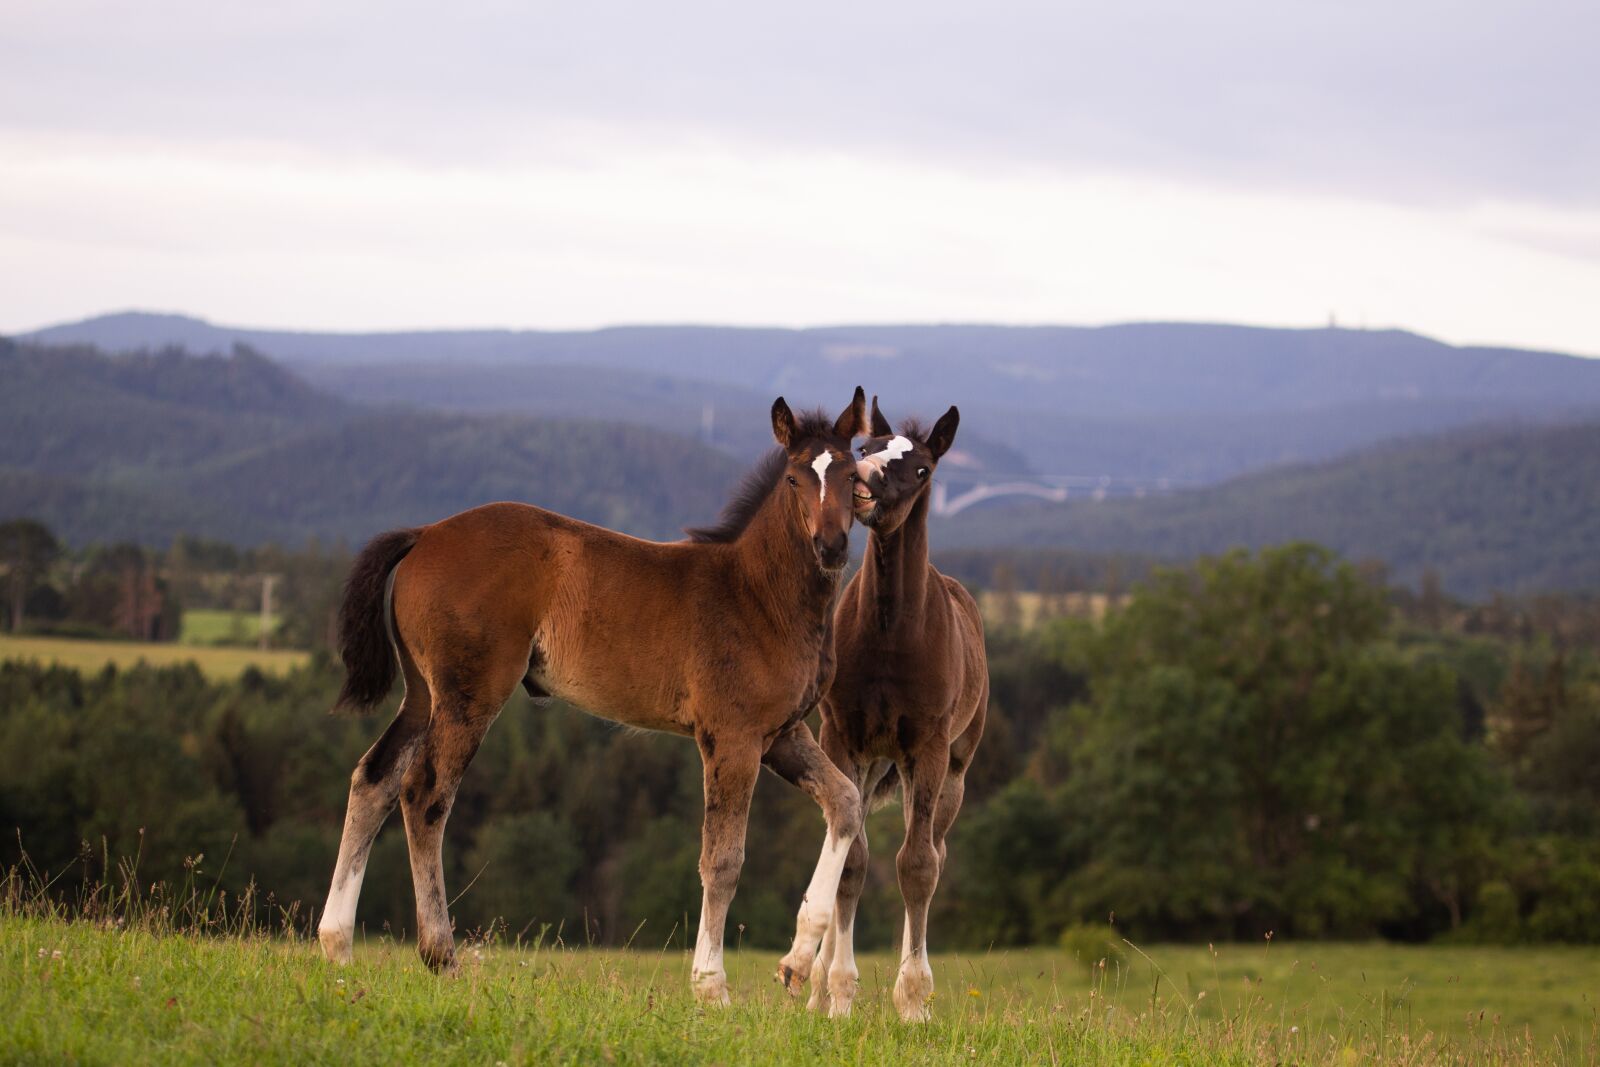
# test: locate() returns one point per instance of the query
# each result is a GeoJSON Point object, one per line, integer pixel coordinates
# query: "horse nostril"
{"type": "Point", "coordinates": [833, 548]}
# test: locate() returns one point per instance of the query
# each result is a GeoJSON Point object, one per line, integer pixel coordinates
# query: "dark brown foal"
{"type": "Point", "coordinates": [725, 638]}
{"type": "Point", "coordinates": [907, 703]}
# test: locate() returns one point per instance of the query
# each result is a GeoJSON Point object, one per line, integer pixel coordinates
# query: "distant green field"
{"type": "Point", "coordinates": [84, 655]}
{"type": "Point", "coordinates": [209, 627]}
{"type": "Point", "coordinates": [84, 993]}
{"type": "Point", "coordinates": [1028, 608]}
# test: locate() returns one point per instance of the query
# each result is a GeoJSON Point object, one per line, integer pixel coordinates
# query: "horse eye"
{"type": "Point", "coordinates": [854, 477]}
{"type": "Point", "coordinates": [792, 480]}
{"type": "Point", "coordinates": [922, 472]}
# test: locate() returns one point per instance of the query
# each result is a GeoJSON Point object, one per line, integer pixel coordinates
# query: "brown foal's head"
{"type": "Point", "coordinates": [820, 473]}
{"type": "Point", "coordinates": [897, 468]}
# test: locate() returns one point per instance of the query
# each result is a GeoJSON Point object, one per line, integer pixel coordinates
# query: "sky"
{"type": "Point", "coordinates": [363, 165]}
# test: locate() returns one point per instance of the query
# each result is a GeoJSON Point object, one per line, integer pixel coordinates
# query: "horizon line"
{"type": "Point", "coordinates": [1333, 325]}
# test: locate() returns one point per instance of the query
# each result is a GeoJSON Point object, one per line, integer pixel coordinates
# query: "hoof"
{"type": "Point", "coordinates": [792, 978]}
{"type": "Point", "coordinates": [913, 991]}
{"type": "Point", "coordinates": [711, 989]}
{"type": "Point", "coordinates": [794, 970]}
{"type": "Point", "coordinates": [841, 993]}
{"type": "Point", "coordinates": [440, 959]}
{"type": "Point", "coordinates": [336, 945]}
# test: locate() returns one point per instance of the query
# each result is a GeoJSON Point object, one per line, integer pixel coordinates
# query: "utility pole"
{"type": "Point", "coordinates": [265, 635]}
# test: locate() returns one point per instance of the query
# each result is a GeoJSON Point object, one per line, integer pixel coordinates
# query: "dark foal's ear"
{"type": "Point", "coordinates": [783, 425]}
{"type": "Point", "coordinates": [880, 425]}
{"type": "Point", "coordinates": [853, 422]}
{"type": "Point", "coordinates": [944, 432]}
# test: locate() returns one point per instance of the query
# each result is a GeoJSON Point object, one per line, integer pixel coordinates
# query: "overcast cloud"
{"type": "Point", "coordinates": [1430, 165]}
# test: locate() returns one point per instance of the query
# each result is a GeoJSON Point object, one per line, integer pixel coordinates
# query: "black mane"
{"type": "Point", "coordinates": [745, 502]}
{"type": "Point", "coordinates": [757, 485]}
{"type": "Point", "coordinates": [914, 429]}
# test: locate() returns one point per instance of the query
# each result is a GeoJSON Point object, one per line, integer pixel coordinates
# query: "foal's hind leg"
{"type": "Point", "coordinates": [460, 719]}
{"type": "Point", "coordinates": [374, 788]}
{"type": "Point", "coordinates": [796, 757]}
{"type": "Point", "coordinates": [955, 788]}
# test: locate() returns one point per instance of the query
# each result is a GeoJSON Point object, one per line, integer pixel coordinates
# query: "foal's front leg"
{"type": "Point", "coordinates": [731, 767]}
{"type": "Point", "coordinates": [796, 756]}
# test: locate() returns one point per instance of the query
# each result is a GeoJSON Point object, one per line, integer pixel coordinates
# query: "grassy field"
{"type": "Point", "coordinates": [76, 992]}
{"type": "Point", "coordinates": [1027, 608]}
{"type": "Point", "coordinates": [203, 626]}
{"type": "Point", "coordinates": [84, 655]}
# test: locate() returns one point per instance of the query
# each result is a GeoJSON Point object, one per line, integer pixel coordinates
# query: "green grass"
{"type": "Point", "coordinates": [203, 626]}
{"type": "Point", "coordinates": [86, 655]}
{"type": "Point", "coordinates": [96, 993]}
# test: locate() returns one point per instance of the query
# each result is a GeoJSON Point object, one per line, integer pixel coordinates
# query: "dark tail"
{"type": "Point", "coordinates": [364, 642]}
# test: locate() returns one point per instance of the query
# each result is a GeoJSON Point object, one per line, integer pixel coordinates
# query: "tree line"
{"type": "Point", "coordinates": [123, 590]}
{"type": "Point", "coordinates": [1272, 741]}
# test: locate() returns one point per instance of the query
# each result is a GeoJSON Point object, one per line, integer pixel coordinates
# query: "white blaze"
{"type": "Point", "coordinates": [897, 447]}
{"type": "Point", "coordinates": [820, 465]}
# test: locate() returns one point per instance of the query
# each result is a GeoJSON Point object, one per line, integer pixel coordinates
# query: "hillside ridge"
{"type": "Point", "coordinates": [1189, 403]}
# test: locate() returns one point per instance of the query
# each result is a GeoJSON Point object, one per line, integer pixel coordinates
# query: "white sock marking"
{"type": "Point", "coordinates": [844, 953]}
{"type": "Point", "coordinates": [820, 465]}
{"type": "Point", "coordinates": [339, 916]}
{"type": "Point", "coordinates": [816, 910]}
{"type": "Point", "coordinates": [707, 953]}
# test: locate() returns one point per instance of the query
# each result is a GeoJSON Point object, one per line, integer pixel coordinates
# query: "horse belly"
{"type": "Point", "coordinates": [603, 686]}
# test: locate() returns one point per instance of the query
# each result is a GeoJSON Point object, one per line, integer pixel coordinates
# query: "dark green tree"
{"type": "Point", "coordinates": [27, 548]}
{"type": "Point", "coordinates": [1253, 756]}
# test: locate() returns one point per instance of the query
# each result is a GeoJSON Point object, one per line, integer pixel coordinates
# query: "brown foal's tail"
{"type": "Point", "coordinates": [365, 643]}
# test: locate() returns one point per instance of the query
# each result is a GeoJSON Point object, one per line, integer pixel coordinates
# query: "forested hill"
{"type": "Point", "coordinates": [1193, 403]}
{"type": "Point", "coordinates": [74, 410]}
{"type": "Point", "coordinates": [1511, 509]}
{"type": "Point", "coordinates": [148, 446]}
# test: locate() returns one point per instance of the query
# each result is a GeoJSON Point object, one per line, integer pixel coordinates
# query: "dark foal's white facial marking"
{"type": "Point", "coordinates": [879, 461]}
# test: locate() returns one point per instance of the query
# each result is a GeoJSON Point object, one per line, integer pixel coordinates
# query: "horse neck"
{"type": "Point", "coordinates": [776, 560]}
{"type": "Point", "coordinates": [894, 576]}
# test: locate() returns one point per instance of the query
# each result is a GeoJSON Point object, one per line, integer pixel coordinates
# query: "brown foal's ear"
{"type": "Point", "coordinates": [880, 425]}
{"type": "Point", "coordinates": [944, 432]}
{"type": "Point", "coordinates": [783, 426]}
{"type": "Point", "coordinates": [853, 422]}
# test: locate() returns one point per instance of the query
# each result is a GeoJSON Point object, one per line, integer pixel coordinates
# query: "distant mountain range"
{"type": "Point", "coordinates": [237, 448]}
{"type": "Point", "coordinates": [1515, 509]}
{"type": "Point", "coordinates": [1192, 404]}
{"type": "Point", "coordinates": [343, 435]}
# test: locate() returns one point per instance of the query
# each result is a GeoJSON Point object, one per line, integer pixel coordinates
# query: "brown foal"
{"type": "Point", "coordinates": [725, 638]}
{"type": "Point", "coordinates": [907, 703]}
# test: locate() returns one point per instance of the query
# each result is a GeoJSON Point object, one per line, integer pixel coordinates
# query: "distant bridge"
{"type": "Point", "coordinates": [945, 505]}
{"type": "Point", "coordinates": [1055, 488]}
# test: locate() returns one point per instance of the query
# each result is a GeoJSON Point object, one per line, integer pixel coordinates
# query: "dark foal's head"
{"type": "Point", "coordinates": [895, 469]}
{"type": "Point", "coordinates": [820, 472]}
